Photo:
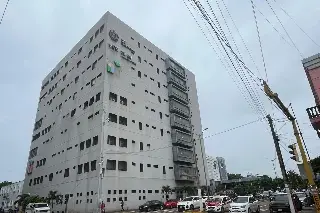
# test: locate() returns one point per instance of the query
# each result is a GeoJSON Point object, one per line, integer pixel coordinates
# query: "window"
{"type": "Point", "coordinates": [122, 166]}
{"type": "Point", "coordinates": [139, 59]}
{"type": "Point", "coordinates": [95, 48]}
{"type": "Point", "coordinates": [141, 146]}
{"type": "Point", "coordinates": [64, 77]}
{"type": "Point", "coordinates": [96, 34]}
{"type": "Point", "coordinates": [133, 191]}
{"type": "Point", "coordinates": [101, 28]}
{"type": "Point", "coordinates": [82, 145]}
{"type": "Point", "coordinates": [141, 167]}
{"type": "Point", "coordinates": [161, 132]}
{"type": "Point", "coordinates": [91, 39]}
{"type": "Point", "coordinates": [111, 140]}
{"type": "Point", "coordinates": [113, 97]}
{"type": "Point", "coordinates": [139, 44]}
{"type": "Point", "coordinates": [86, 167]}
{"type": "Point", "coordinates": [123, 101]}
{"type": "Point", "coordinates": [113, 118]}
{"type": "Point", "coordinates": [66, 64]}
{"type": "Point", "coordinates": [122, 120]}
{"type": "Point", "coordinates": [164, 170]}
{"type": "Point", "coordinates": [90, 53]}
{"type": "Point", "coordinates": [78, 64]}
{"type": "Point", "coordinates": [132, 84]}
{"type": "Point", "coordinates": [111, 165]}
{"type": "Point", "coordinates": [123, 142]}
{"type": "Point", "coordinates": [149, 191]}
{"type": "Point", "coordinates": [80, 169]}
{"type": "Point", "coordinates": [133, 163]}
{"type": "Point", "coordinates": [62, 91]}
{"type": "Point", "coordinates": [140, 125]}
{"type": "Point", "coordinates": [88, 143]}
{"type": "Point", "coordinates": [157, 57]}
{"type": "Point", "coordinates": [158, 70]}
{"type": "Point", "coordinates": [160, 113]}
{"type": "Point", "coordinates": [159, 84]}
{"type": "Point", "coordinates": [94, 65]}
{"type": "Point", "coordinates": [80, 50]}
{"type": "Point", "coordinates": [85, 105]}
{"type": "Point", "coordinates": [95, 140]}
{"type": "Point", "coordinates": [159, 99]}
{"type": "Point", "coordinates": [93, 167]}
{"type": "Point", "coordinates": [66, 173]}
{"type": "Point", "coordinates": [74, 96]}
{"type": "Point", "coordinates": [139, 74]}
{"type": "Point", "coordinates": [93, 81]}
{"type": "Point", "coordinates": [91, 101]}
{"type": "Point", "coordinates": [76, 79]}
{"type": "Point", "coordinates": [148, 165]}
{"type": "Point", "coordinates": [155, 166]}
{"type": "Point", "coordinates": [73, 112]}
{"type": "Point", "coordinates": [50, 176]}
{"type": "Point", "coordinates": [98, 96]}
{"type": "Point", "coordinates": [100, 43]}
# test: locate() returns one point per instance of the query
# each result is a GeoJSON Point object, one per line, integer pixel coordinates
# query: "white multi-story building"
{"type": "Point", "coordinates": [116, 105]}
{"type": "Point", "coordinates": [217, 168]}
{"type": "Point", "coordinates": [10, 193]}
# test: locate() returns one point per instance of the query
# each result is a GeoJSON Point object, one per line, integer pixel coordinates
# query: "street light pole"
{"type": "Point", "coordinates": [204, 169]}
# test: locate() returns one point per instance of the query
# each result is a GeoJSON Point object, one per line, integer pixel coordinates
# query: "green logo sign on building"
{"type": "Point", "coordinates": [111, 68]}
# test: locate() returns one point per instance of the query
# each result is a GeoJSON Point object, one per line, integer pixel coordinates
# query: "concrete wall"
{"type": "Point", "coordinates": [9, 194]}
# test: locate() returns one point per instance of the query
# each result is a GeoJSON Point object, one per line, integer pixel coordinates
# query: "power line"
{"type": "Point", "coordinates": [4, 11]}
{"type": "Point", "coordinates": [284, 28]}
{"type": "Point", "coordinates": [297, 25]}
{"type": "Point", "coordinates": [234, 128]}
{"type": "Point", "coordinates": [259, 38]}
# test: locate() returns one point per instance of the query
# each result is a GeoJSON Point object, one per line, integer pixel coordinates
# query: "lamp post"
{"type": "Point", "coordinates": [204, 169]}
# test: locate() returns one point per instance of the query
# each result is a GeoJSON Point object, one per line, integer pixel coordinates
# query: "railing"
{"type": "Point", "coordinates": [183, 155]}
{"type": "Point", "coordinates": [179, 137]}
{"type": "Point", "coordinates": [180, 122]}
{"type": "Point", "coordinates": [179, 108]}
{"type": "Point", "coordinates": [313, 112]}
{"type": "Point", "coordinates": [184, 173]}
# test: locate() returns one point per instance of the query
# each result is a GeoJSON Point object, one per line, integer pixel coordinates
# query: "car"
{"type": "Point", "coordinates": [302, 196]}
{"type": "Point", "coordinates": [169, 204]}
{"type": "Point", "coordinates": [37, 207]}
{"type": "Point", "coordinates": [189, 203]}
{"type": "Point", "coordinates": [216, 204]}
{"type": "Point", "coordinates": [280, 203]}
{"type": "Point", "coordinates": [247, 204]}
{"type": "Point", "coordinates": [151, 205]}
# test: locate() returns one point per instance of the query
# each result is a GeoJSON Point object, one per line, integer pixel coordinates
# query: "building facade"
{"type": "Point", "coordinates": [311, 66]}
{"type": "Point", "coordinates": [213, 168]}
{"type": "Point", "coordinates": [9, 194]}
{"type": "Point", "coordinates": [117, 119]}
{"type": "Point", "coordinates": [222, 168]}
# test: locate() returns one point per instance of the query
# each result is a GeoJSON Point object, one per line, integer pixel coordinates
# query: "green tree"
{"type": "Point", "coordinates": [315, 164]}
{"type": "Point", "coordinates": [295, 180]}
{"type": "Point", "coordinates": [26, 199]}
{"type": "Point", "coordinates": [54, 197]}
{"type": "Point", "coordinates": [21, 200]}
{"type": "Point", "coordinates": [234, 176]}
{"type": "Point", "coordinates": [5, 183]}
{"type": "Point", "coordinates": [166, 190]}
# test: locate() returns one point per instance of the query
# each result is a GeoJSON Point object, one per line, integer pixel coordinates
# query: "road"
{"type": "Point", "coordinates": [263, 209]}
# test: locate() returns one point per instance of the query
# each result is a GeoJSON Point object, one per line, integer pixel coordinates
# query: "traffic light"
{"type": "Point", "coordinates": [293, 152]}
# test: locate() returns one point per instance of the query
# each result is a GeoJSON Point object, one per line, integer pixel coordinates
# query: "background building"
{"type": "Point", "coordinates": [312, 68]}
{"type": "Point", "coordinates": [9, 194]}
{"type": "Point", "coordinates": [222, 168]}
{"type": "Point", "coordinates": [217, 171]}
{"type": "Point", "coordinates": [119, 108]}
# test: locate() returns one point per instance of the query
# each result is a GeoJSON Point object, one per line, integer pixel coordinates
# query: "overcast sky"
{"type": "Point", "coordinates": [35, 35]}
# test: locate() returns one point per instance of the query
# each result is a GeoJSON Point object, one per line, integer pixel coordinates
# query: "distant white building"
{"type": "Point", "coordinates": [9, 194]}
{"type": "Point", "coordinates": [217, 169]}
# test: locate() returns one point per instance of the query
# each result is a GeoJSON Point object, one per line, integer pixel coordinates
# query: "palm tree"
{"type": "Point", "coordinates": [21, 200]}
{"type": "Point", "coordinates": [166, 190]}
{"type": "Point", "coordinates": [52, 196]}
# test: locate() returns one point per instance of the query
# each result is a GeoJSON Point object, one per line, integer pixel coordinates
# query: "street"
{"type": "Point", "coordinates": [263, 209]}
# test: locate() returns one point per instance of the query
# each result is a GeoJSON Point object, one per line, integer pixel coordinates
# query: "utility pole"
{"type": "Point", "coordinates": [281, 163]}
{"type": "Point", "coordinates": [274, 96]}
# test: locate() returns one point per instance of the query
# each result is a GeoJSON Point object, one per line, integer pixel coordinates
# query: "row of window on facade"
{"type": "Point", "coordinates": [100, 30]}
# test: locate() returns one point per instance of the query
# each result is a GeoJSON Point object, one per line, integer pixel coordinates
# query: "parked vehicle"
{"type": "Point", "coordinates": [151, 205]}
{"type": "Point", "coordinates": [216, 204]}
{"type": "Point", "coordinates": [246, 204]}
{"type": "Point", "coordinates": [280, 203]}
{"type": "Point", "coordinates": [169, 204]}
{"type": "Point", "coordinates": [302, 196]}
{"type": "Point", "coordinates": [189, 203]}
{"type": "Point", "coordinates": [37, 207]}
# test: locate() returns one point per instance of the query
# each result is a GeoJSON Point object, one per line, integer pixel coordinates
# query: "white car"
{"type": "Point", "coordinates": [37, 207]}
{"type": "Point", "coordinates": [302, 196]}
{"type": "Point", "coordinates": [245, 204]}
{"type": "Point", "coordinates": [187, 203]}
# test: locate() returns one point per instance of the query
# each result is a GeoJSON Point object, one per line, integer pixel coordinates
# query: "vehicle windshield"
{"type": "Point", "coordinates": [40, 205]}
{"type": "Point", "coordinates": [281, 198]}
{"type": "Point", "coordinates": [147, 203]}
{"type": "Point", "coordinates": [241, 200]}
{"type": "Point", "coordinates": [188, 199]}
{"type": "Point", "coordinates": [301, 195]}
{"type": "Point", "coordinates": [217, 199]}
{"type": "Point", "coordinates": [171, 200]}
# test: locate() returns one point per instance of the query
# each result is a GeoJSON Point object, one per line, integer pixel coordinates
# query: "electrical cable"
{"type": "Point", "coordinates": [259, 39]}
{"type": "Point", "coordinates": [234, 128]}
{"type": "Point", "coordinates": [297, 24]}
{"type": "Point", "coordinates": [225, 64]}
{"type": "Point", "coordinates": [4, 11]}
{"type": "Point", "coordinates": [284, 29]}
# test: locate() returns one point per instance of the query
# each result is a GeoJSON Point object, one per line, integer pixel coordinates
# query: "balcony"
{"type": "Point", "coordinates": [174, 92]}
{"type": "Point", "coordinates": [175, 67]}
{"type": "Point", "coordinates": [314, 116]}
{"type": "Point", "coordinates": [179, 108]}
{"type": "Point", "coordinates": [181, 123]}
{"type": "Point", "coordinates": [185, 173]}
{"type": "Point", "coordinates": [181, 138]}
{"type": "Point", "coordinates": [181, 154]}
{"type": "Point", "coordinates": [174, 79]}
